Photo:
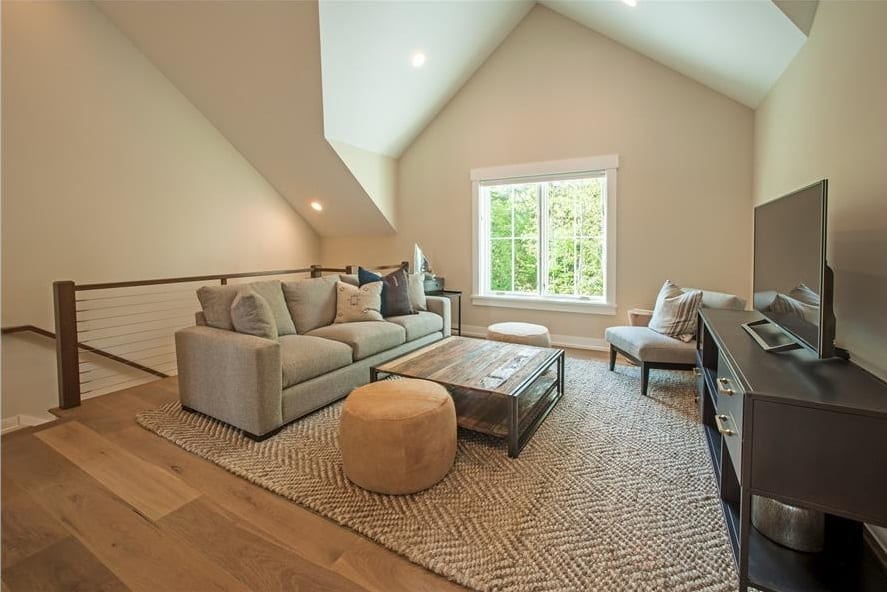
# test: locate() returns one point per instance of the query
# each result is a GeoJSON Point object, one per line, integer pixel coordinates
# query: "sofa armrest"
{"type": "Point", "coordinates": [231, 376]}
{"type": "Point", "coordinates": [440, 305]}
{"type": "Point", "coordinates": [639, 317]}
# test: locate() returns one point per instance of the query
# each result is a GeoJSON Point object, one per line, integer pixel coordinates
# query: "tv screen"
{"type": "Point", "coordinates": [792, 283]}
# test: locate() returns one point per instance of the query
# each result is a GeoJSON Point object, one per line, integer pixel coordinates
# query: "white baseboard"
{"type": "Point", "coordinates": [10, 424]}
{"type": "Point", "coordinates": [571, 341]}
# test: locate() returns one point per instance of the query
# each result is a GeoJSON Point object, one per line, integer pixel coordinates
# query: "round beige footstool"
{"type": "Point", "coordinates": [398, 436]}
{"type": "Point", "coordinates": [525, 333]}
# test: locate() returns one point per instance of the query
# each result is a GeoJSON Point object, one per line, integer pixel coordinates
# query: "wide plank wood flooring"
{"type": "Point", "coordinates": [95, 502]}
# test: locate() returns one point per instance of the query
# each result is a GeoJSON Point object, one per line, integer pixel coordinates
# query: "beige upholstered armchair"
{"type": "Point", "coordinates": [654, 351]}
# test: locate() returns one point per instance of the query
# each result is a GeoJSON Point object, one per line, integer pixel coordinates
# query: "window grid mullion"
{"type": "Point", "coordinates": [542, 264]}
{"type": "Point", "coordinates": [512, 238]}
{"type": "Point", "coordinates": [577, 209]}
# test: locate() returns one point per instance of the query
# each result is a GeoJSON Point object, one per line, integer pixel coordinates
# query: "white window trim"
{"type": "Point", "coordinates": [538, 171]}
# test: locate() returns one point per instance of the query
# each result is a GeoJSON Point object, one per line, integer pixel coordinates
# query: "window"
{"type": "Point", "coordinates": [545, 235]}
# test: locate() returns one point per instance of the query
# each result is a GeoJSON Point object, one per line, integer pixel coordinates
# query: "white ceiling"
{"type": "Point", "coordinates": [739, 48]}
{"type": "Point", "coordinates": [375, 100]}
{"type": "Point", "coordinates": [372, 97]}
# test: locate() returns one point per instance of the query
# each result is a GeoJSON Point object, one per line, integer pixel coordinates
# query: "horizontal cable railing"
{"type": "Point", "coordinates": [114, 335]}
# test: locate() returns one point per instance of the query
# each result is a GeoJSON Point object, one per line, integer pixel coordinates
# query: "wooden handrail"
{"type": "Point", "coordinates": [402, 265]}
{"type": "Point", "coordinates": [223, 277]}
{"type": "Point", "coordinates": [68, 344]}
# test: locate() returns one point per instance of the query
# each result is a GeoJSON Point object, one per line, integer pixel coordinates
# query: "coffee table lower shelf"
{"type": "Point", "coordinates": [489, 414]}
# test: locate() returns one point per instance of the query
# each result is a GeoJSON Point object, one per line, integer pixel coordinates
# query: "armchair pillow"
{"type": "Point", "coordinates": [251, 314]}
{"type": "Point", "coordinates": [355, 304]}
{"type": "Point", "coordinates": [675, 312]}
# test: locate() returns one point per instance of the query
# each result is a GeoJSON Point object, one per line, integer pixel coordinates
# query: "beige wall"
{"type": "Point", "coordinates": [556, 90]}
{"type": "Point", "coordinates": [109, 173]}
{"type": "Point", "coordinates": [375, 172]}
{"type": "Point", "coordinates": [827, 117]}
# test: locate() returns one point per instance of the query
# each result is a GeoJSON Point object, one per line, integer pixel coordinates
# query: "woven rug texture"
{"type": "Point", "coordinates": [614, 492]}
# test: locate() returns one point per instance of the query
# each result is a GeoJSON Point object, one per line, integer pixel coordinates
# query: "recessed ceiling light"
{"type": "Point", "coordinates": [418, 59]}
{"type": "Point", "coordinates": [631, 3]}
{"type": "Point", "coordinates": [317, 206]}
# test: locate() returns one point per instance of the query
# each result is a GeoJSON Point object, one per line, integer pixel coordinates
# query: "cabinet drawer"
{"type": "Point", "coordinates": [729, 393]}
{"type": "Point", "coordinates": [728, 406]}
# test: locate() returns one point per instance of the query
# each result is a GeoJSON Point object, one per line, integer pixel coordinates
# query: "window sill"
{"type": "Point", "coordinates": [548, 304]}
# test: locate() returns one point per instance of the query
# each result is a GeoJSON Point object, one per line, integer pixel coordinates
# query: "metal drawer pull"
{"type": "Point", "coordinates": [719, 419]}
{"type": "Point", "coordinates": [722, 387]}
{"type": "Point", "coordinates": [696, 371]}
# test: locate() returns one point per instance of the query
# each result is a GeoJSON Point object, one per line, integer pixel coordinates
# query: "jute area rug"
{"type": "Point", "coordinates": [614, 492]}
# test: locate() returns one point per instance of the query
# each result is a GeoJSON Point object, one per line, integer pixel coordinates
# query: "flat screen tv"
{"type": "Point", "coordinates": [793, 284]}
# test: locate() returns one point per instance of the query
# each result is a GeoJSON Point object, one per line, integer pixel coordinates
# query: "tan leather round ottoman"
{"type": "Point", "coordinates": [398, 436]}
{"type": "Point", "coordinates": [524, 333]}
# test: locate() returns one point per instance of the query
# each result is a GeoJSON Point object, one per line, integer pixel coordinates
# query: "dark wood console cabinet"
{"type": "Point", "coordinates": [807, 432]}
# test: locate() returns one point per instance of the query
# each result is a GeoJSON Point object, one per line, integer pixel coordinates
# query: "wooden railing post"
{"type": "Point", "coordinates": [315, 271]}
{"type": "Point", "coordinates": [405, 265]}
{"type": "Point", "coordinates": [66, 355]}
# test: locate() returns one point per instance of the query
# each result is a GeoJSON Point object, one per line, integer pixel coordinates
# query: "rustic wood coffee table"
{"type": "Point", "coordinates": [501, 389]}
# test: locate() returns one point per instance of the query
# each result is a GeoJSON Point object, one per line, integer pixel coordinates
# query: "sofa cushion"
{"type": "Point", "coordinates": [721, 300]}
{"type": "Point", "coordinates": [216, 303]}
{"type": "Point", "coordinates": [311, 302]}
{"type": "Point", "coordinates": [365, 338]}
{"type": "Point", "coordinates": [418, 325]}
{"type": "Point", "coordinates": [303, 357]}
{"type": "Point", "coordinates": [649, 346]}
{"type": "Point", "coordinates": [251, 314]}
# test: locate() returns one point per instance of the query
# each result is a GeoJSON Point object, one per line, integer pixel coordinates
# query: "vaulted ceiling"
{"type": "Point", "coordinates": [253, 69]}
{"type": "Point", "coordinates": [322, 98]}
{"type": "Point", "coordinates": [373, 97]}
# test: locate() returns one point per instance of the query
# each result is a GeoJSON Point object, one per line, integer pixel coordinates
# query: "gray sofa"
{"type": "Point", "coordinates": [259, 385]}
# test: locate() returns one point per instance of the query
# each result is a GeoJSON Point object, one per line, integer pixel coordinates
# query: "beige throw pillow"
{"type": "Point", "coordinates": [251, 314]}
{"type": "Point", "coordinates": [417, 291]}
{"type": "Point", "coordinates": [355, 304]}
{"type": "Point", "coordinates": [675, 312]}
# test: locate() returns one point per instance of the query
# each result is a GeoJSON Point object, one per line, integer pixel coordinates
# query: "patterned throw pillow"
{"type": "Point", "coordinates": [675, 312]}
{"type": "Point", "coordinates": [395, 291]}
{"type": "Point", "coordinates": [355, 304]}
{"type": "Point", "coordinates": [251, 314]}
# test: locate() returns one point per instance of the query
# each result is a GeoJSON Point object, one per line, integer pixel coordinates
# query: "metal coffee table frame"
{"type": "Point", "coordinates": [516, 438]}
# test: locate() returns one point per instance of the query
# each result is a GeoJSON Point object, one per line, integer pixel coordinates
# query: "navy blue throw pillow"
{"type": "Point", "coordinates": [365, 276]}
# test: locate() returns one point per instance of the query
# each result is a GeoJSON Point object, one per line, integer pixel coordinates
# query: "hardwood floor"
{"type": "Point", "coordinates": [95, 502]}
